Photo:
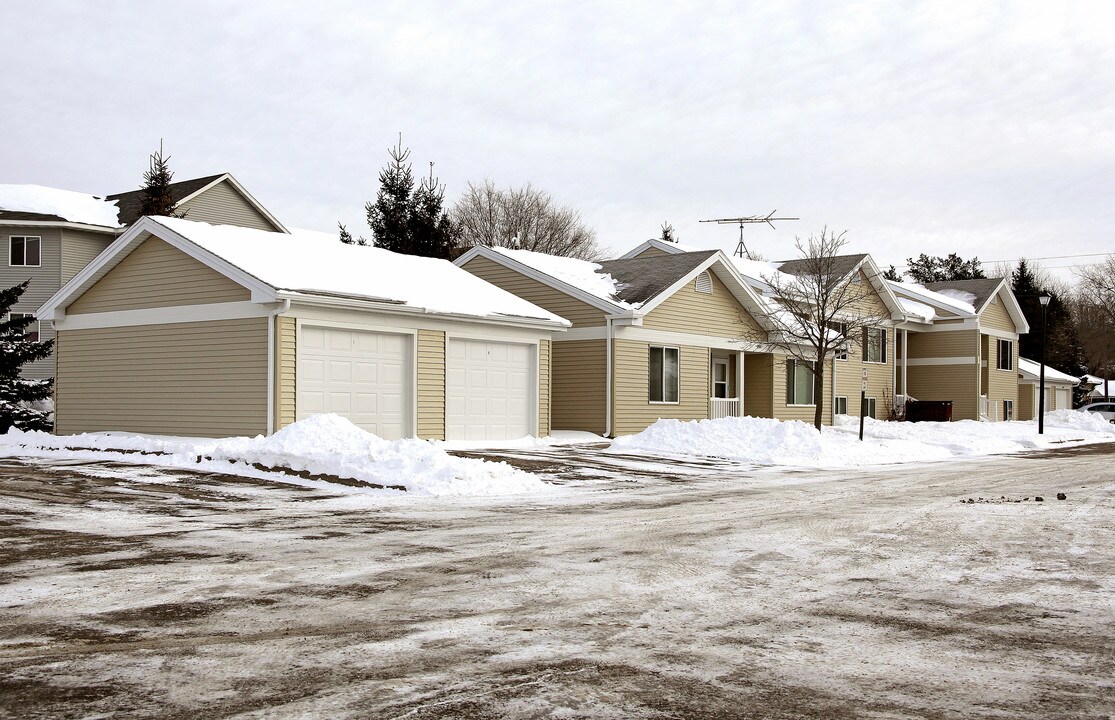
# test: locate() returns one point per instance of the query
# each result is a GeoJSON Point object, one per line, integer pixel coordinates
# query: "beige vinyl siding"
{"type": "Point", "coordinates": [633, 410]}
{"type": "Point", "coordinates": [880, 380]}
{"type": "Point", "coordinates": [544, 388]}
{"type": "Point", "coordinates": [431, 384]}
{"type": "Point", "coordinates": [1002, 384]}
{"type": "Point", "coordinates": [871, 303]}
{"type": "Point", "coordinates": [782, 411]}
{"type": "Point", "coordinates": [958, 383]}
{"type": "Point", "coordinates": [45, 281]}
{"type": "Point", "coordinates": [1027, 406]}
{"type": "Point", "coordinates": [581, 314]}
{"type": "Point", "coordinates": [579, 369]}
{"type": "Point", "coordinates": [758, 388]}
{"type": "Point", "coordinates": [286, 376]}
{"type": "Point", "coordinates": [718, 313]}
{"type": "Point", "coordinates": [223, 204]}
{"type": "Point", "coordinates": [996, 317]}
{"type": "Point", "coordinates": [154, 275]}
{"type": "Point", "coordinates": [951, 344]}
{"type": "Point", "coordinates": [79, 248]}
{"type": "Point", "coordinates": [203, 378]}
{"type": "Point", "coordinates": [651, 252]}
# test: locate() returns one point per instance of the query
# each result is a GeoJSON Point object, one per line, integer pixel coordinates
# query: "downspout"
{"type": "Point", "coordinates": [608, 378]}
{"type": "Point", "coordinates": [272, 359]}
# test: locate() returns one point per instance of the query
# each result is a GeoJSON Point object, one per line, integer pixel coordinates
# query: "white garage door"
{"type": "Point", "coordinates": [489, 390]}
{"type": "Point", "coordinates": [363, 376]}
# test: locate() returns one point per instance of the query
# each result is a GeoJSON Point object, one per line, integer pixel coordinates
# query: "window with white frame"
{"type": "Point", "coordinates": [799, 382]}
{"type": "Point", "coordinates": [1008, 410]}
{"type": "Point", "coordinates": [663, 365]}
{"type": "Point", "coordinates": [841, 352]}
{"type": "Point", "coordinates": [840, 405]}
{"type": "Point", "coordinates": [1006, 355]}
{"type": "Point", "coordinates": [719, 379]}
{"type": "Point", "coordinates": [24, 250]}
{"type": "Point", "coordinates": [869, 406]}
{"type": "Point", "coordinates": [31, 332]}
{"type": "Point", "coordinates": [874, 345]}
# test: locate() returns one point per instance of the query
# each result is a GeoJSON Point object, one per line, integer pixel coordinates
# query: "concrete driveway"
{"type": "Point", "coordinates": [696, 590]}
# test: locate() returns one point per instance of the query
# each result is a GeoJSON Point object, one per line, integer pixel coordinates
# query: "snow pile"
{"type": "Point", "coordinates": [764, 441]}
{"type": "Point", "coordinates": [73, 206]}
{"type": "Point", "coordinates": [921, 311]}
{"type": "Point", "coordinates": [581, 274]}
{"type": "Point", "coordinates": [314, 263]}
{"type": "Point", "coordinates": [319, 445]}
{"type": "Point", "coordinates": [955, 300]}
{"type": "Point", "coordinates": [960, 296]}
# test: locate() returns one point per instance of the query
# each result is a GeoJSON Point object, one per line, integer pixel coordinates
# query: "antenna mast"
{"type": "Point", "coordinates": [741, 249]}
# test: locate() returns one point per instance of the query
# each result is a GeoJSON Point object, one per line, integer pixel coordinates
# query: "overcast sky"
{"type": "Point", "coordinates": [973, 127]}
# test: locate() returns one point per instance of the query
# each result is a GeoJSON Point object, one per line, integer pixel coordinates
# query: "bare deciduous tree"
{"type": "Point", "coordinates": [1094, 309]}
{"type": "Point", "coordinates": [1097, 284]}
{"type": "Point", "coordinates": [826, 308]}
{"type": "Point", "coordinates": [524, 218]}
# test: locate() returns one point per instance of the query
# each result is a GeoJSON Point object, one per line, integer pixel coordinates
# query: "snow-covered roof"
{"type": "Point", "coordinates": [919, 293]}
{"type": "Point", "coordinates": [67, 205]}
{"type": "Point", "coordinates": [1030, 370]}
{"type": "Point", "coordinates": [918, 310]}
{"type": "Point", "coordinates": [316, 263]}
{"type": "Point", "coordinates": [581, 274]}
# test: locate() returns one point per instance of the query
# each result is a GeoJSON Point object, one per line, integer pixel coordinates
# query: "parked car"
{"type": "Point", "coordinates": [1106, 409]}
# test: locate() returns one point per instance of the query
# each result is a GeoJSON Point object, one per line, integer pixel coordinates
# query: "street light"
{"type": "Point", "coordinates": [1044, 300]}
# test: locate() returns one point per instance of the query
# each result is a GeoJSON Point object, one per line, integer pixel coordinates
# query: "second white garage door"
{"type": "Point", "coordinates": [489, 390]}
{"type": "Point", "coordinates": [363, 376]}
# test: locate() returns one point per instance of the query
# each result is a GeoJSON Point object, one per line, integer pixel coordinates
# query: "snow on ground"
{"type": "Point", "coordinates": [319, 445]}
{"type": "Point", "coordinates": [73, 206]}
{"type": "Point", "coordinates": [764, 441]}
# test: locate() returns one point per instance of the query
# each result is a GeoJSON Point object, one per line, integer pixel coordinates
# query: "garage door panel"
{"type": "Point", "coordinates": [489, 389]}
{"type": "Point", "coordinates": [363, 376]}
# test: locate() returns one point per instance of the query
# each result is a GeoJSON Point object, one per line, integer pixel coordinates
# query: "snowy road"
{"type": "Point", "coordinates": [708, 590]}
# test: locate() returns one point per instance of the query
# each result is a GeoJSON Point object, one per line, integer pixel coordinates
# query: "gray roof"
{"type": "Point", "coordinates": [842, 264]}
{"type": "Point", "coordinates": [29, 216]}
{"type": "Point", "coordinates": [129, 203]}
{"type": "Point", "coordinates": [982, 288]}
{"type": "Point", "coordinates": [640, 279]}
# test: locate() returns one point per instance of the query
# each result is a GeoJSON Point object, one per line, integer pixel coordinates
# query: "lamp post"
{"type": "Point", "coordinates": [1044, 300]}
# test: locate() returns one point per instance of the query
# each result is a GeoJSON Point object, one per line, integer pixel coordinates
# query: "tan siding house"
{"type": "Point", "coordinates": [178, 330]}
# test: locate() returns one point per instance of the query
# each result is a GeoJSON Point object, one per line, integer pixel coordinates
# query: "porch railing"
{"type": "Point", "coordinates": [723, 407]}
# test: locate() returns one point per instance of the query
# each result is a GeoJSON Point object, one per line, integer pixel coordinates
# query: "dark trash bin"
{"type": "Point", "coordinates": [929, 411]}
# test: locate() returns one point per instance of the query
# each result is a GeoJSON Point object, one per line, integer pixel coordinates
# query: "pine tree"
{"type": "Point", "coordinates": [668, 233]}
{"type": "Point", "coordinates": [938, 269]}
{"type": "Point", "coordinates": [432, 232]}
{"type": "Point", "coordinates": [1063, 350]}
{"type": "Point", "coordinates": [157, 198]}
{"type": "Point", "coordinates": [347, 239]}
{"type": "Point", "coordinates": [891, 273]}
{"type": "Point", "coordinates": [389, 215]}
{"type": "Point", "coordinates": [16, 350]}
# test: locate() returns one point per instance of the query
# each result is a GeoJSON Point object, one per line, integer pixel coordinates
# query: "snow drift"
{"type": "Point", "coordinates": [319, 445]}
{"type": "Point", "coordinates": [764, 441]}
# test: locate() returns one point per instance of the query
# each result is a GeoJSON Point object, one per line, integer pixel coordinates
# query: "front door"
{"type": "Point", "coordinates": [720, 379]}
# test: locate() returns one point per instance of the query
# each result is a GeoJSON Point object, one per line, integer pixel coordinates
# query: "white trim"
{"type": "Point", "coordinates": [64, 224]}
{"type": "Point", "coordinates": [664, 348]}
{"type": "Point", "coordinates": [670, 337]}
{"type": "Point", "coordinates": [727, 379]}
{"type": "Point", "coordinates": [920, 362]}
{"type": "Point", "coordinates": [536, 367]}
{"type": "Point", "coordinates": [163, 315]}
{"type": "Point", "coordinates": [25, 239]}
{"type": "Point", "coordinates": [719, 264]}
{"type": "Point", "coordinates": [38, 323]}
{"type": "Point", "coordinates": [534, 274]}
{"type": "Point", "coordinates": [967, 324]}
{"type": "Point", "coordinates": [247, 196]}
{"type": "Point", "coordinates": [999, 334]}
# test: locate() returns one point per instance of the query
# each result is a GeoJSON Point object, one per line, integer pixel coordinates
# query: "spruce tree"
{"type": "Point", "coordinates": [157, 198]}
{"type": "Point", "coordinates": [668, 233]}
{"type": "Point", "coordinates": [389, 215]}
{"type": "Point", "coordinates": [16, 350]}
{"type": "Point", "coordinates": [432, 232]}
{"type": "Point", "coordinates": [891, 273]}
{"type": "Point", "coordinates": [1062, 350]}
{"type": "Point", "coordinates": [938, 269]}
{"type": "Point", "coordinates": [347, 239]}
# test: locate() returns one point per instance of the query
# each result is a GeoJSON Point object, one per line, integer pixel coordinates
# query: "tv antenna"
{"type": "Point", "coordinates": [741, 249]}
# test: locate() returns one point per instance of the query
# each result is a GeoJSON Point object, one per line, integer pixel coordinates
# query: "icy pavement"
{"type": "Point", "coordinates": [716, 591]}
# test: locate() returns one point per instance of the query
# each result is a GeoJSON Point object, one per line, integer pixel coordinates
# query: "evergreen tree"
{"type": "Point", "coordinates": [938, 269]}
{"type": "Point", "coordinates": [389, 215]}
{"type": "Point", "coordinates": [891, 273]}
{"type": "Point", "coordinates": [1062, 350]}
{"type": "Point", "coordinates": [668, 233]}
{"type": "Point", "coordinates": [16, 350]}
{"type": "Point", "coordinates": [157, 198]}
{"type": "Point", "coordinates": [347, 239]}
{"type": "Point", "coordinates": [432, 232]}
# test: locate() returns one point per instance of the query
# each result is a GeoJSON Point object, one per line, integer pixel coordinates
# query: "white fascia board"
{"type": "Point", "coordinates": [227, 177]}
{"type": "Point", "coordinates": [66, 225]}
{"type": "Point", "coordinates": [884, 289]}
{"type": "Point", "coordinates": [727, 273]}
{"type": "Point", "coordinates": [395, 309]}
{"type": "Point", "coordinates": [512, 264]}
{"type": "Point", "coordinates": [1010, 302]}
{"type": "Point", "coordinates": [132, 238]}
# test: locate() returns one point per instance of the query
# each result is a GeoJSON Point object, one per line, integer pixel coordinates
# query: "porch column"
{"type": "Point", "coordinates": [739, 380]}
{"type": "Point", "coordinates": [905, 356]}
